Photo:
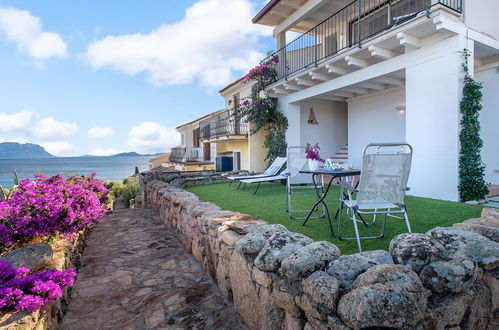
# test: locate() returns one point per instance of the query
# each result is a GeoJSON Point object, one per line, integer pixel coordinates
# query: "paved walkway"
{"type": "Point", "coordinates": [135, 275]}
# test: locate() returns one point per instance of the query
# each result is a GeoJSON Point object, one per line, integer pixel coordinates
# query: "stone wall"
{"type": "Point", "coordinates": [188, 179]}
{"type": "Point", "coordinates": [444, 279]}
{"type": "Point", "coordinates": [61, 255]}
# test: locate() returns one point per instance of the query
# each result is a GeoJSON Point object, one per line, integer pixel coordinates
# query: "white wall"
{"type": "Point", "coordinates": [481, 16]}
{"type": "Point", "coordinates": [374, 119]}
{"type": "Point", "coordinates": [433, 93]}
{"type": "Point", "coordinates": [331, 130]}
{"type": "Point", "coordinates": [489, 120]}
{"type": "Point", "coordinates": [293, 113]}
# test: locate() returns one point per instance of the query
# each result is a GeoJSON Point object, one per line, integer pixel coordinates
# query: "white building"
{"type": "Point", "coordinates": [395, 77]}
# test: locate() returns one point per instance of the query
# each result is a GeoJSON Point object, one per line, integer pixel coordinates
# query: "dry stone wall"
{"type": "Point", "coordinates": [60, 255]}
{"type": "Point", "coordinates": [444, 279]}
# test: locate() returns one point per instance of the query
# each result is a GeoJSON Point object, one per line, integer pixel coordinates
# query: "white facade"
{"type": "Point", "coordinates": [401, 85]}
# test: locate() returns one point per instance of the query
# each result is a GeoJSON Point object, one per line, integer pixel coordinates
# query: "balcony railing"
{"type": "Point", "coordinates": [222, 124]}
{"type": "Point", "coordinates": [349, 27]}
{"type": "Point", "coordinates": [187, 154]}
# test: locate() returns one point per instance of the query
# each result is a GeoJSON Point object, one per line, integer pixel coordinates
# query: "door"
{"type": "Point", "coordinates": [207, 152]}
{"type": "Point", "coordinates": [195, 138]}
{"type": "Point", "coordinates": [236, 165]}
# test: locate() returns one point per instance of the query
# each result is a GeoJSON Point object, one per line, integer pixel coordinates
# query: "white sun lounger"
{"type": "Point", "coordinates": [272, 170]}
{"type": "Point", "coordinates": [281, 176]}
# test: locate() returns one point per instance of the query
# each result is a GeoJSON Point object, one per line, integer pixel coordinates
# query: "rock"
{"type": "Point", "coordinates": [489, 232]}
{"type": "Point", "coordinates": [254, 241]}
{"type": "Point", "coordinates": [231, 237]}
{"type": "Point", "coordinates": [293, 323]}
{"type": "Point", "coordinates": [490, 213]}
{"type": "Point", "coordinates": [244, 227]}
{"type": "Point", "coordinates": [258, 312]}
{"type": "Point", "coordinates": [462, 244]}
{"type": "Point", "coordinates": [446, 310]}
{"type": "Point", "coordinates": [307, 259]}
{"type": "Point", "coordinates": [261, 277]}
{"type": "Point", "coordinates": [472, 202]}
{"type": "Point", "coordinates": [450, 276]}
{"type": "Point", "coordinates": [154, 317]}
{"type": "Point", "coordinates": [278, 247]}
{"type": "Point", "coordinates": [322, 288]}
{"type": "Point", "coordinates": [415, 250]}
{"type": "Point", "coordinates": [478, 311]}
{"type": "Point", "coordinates": [34, 256]}
{"type": "Point", "coordinates": [335, 323]}
{"type": "Point", "coordinates": [347, 268]}
{"type": "Point", "coordinates": [489, 222]}
{"type": "Point", "coordinates": [384, 296]}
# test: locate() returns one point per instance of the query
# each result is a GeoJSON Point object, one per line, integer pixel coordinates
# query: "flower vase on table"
{"type": "Point", "coordinates": [313, 157]}
{"type": "Point", "coordinates": [313, 164]}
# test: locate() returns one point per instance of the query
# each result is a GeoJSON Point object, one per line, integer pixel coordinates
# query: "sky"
{"type": "Point", "coordinates": [100, 77]}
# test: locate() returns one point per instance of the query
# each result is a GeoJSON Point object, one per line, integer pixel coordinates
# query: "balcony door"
{"type": "Point", "coordinates": [195, 138]}
{"type": "Point", "coordinates": [207, 152]}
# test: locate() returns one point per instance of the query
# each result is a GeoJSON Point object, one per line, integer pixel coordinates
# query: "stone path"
{"type": "Point", "coordinates": [135, 275]}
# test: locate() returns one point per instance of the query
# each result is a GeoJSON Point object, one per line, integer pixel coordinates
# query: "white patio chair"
{"type": "Point", "coordinates": [299, 183]}
{"type": "Point", "coordinates": [381, 190]}
{"type": "Point", "coordinates": [274, 169]}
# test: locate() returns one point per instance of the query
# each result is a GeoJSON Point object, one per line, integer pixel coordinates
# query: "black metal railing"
{"type": "Point", "coordinates": [349, 27]}
{"type": "Point", "coordinates": [191, 154]}
{"type": "Point", "coordinates": [222, 124]}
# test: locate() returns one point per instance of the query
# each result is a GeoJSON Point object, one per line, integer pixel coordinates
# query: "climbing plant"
{"type": "Point", "coordinates": [471, 168]}
{"type": "Point", "coordinates": [262, 110]}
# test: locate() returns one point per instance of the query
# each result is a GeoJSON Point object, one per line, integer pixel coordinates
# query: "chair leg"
{"type": "Point", "coordinates": [258, 186]}
{"type": "Point", "coordinates": [230, 182]}
{"type": "Point", "coordinates": [356, 231]}
{"type": "Point", "coordinates": [407, 220]}
{"type": "Point", "coordinates": [244, 186]}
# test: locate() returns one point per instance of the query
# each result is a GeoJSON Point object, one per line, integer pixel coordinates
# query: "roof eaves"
{"type": "Point", "coordinates": [265, 10]}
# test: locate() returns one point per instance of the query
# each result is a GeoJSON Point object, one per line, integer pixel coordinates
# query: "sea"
{"type": "Point", "coordinates": [106, 168]}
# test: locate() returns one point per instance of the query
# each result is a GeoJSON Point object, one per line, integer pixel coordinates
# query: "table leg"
{"type": "Point", "coordinates": [321, 201]}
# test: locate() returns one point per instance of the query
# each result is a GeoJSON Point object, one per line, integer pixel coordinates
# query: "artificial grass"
{"type": "Point", "coordinates": [269, 205]}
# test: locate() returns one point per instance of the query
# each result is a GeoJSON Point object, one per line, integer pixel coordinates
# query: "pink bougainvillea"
{"type": "Point", "coordinates": [50, 206]}
{"type": "Point", "coordinates": [23, 291]}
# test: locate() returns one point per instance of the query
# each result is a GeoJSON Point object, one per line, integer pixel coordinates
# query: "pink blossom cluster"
{"type": "Point", "coordinates": [312, 152]}
{"type": "Point", "coordinates": [50, 206]}
{"type": "Point", "coordinates": [23, 291]}
{"type": "Point", "coordinates": [262, 71]}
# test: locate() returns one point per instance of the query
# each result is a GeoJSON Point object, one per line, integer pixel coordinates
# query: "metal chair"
{"type": "Point", "coordinates": [381, 190]}
{"type": "Point", "coordinates": [299, 183]}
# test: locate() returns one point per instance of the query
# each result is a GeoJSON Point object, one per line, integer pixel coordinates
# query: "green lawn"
{"type": "Point", "coordinates": [269, 205]}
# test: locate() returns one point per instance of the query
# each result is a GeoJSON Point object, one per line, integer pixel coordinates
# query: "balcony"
{"type": "Point", "coordinates": [347, 28]}
{"type": "Point", "coordinates": [223, 126]}
{"type": "Point", "coordinates": [194, 156]}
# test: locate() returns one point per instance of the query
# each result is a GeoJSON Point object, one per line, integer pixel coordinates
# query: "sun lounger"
{"type": "Point", "coordinates": [272, 170]}
{"type": "Point", "coordinates": [281, 176]}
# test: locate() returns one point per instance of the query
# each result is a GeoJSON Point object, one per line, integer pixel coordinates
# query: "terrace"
{"type": "Point", "coordinates": [223, 126]}
{"type": "Point", "coordinates": [269, 205]}
{"type": "Point", "coordinates": [346, 28]}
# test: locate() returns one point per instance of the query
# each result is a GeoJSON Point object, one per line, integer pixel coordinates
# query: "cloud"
{"type": "Point", "coordinates": [58, 148]}
{"type": "Point", "coordinates": [18, 139]}
{"type": "Point", "coordinates": [26, 31]}
{"type": "Point", "coordinates": [100, 132]}
{"type": "Point", "coordinates": [104, 151]}
{"type": "Point", "coordinates": [49, 129]}
{"type": "Point", "coordinates": [151, 137]}
{"type": "Point", "coordinates": [15, 122]}
{"type": "Point", "coordinates": [214, 39]}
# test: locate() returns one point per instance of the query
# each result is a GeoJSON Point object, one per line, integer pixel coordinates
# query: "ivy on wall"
{"type": "Point", "coordinates": [471, 168]}
{"type": "Point", "coordinates": [262, 110]}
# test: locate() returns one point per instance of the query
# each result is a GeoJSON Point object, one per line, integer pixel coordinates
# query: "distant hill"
{"type": "Point", "coordinates": [14, 150]}
{"type": "Point", "coordinates": [126, 154]}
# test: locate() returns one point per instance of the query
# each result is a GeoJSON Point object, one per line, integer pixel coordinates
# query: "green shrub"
{"type": "Point", "coordinates": [130, 189]}
{"type": "Point", "coordinates": [115, 188]}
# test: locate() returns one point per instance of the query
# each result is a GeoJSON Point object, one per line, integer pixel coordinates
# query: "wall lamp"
{"type": "Point", "coordinates": [400, 108]}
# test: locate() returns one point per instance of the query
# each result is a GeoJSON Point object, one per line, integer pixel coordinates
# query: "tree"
{"type": "Point", "coordinates": [471, 168]}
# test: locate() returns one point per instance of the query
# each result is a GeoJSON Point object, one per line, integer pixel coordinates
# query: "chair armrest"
{"type": "Point", "coordinates": [407, 188]}
{"type": "Point", "coordinates": [348, 187]}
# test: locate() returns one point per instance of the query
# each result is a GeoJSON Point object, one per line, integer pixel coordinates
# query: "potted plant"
{"type": "Point", "coordinates": [313, 156]}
